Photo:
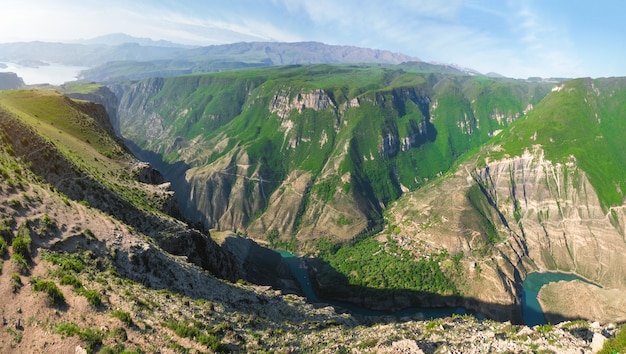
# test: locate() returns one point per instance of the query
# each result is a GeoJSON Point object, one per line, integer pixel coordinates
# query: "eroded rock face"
{"type": "Point", "coordinates": [253, 154]}
{"type": "Point", "coordinates": [136, 99]}
{"type": "Point", "coordinates": [552, 211]}
{"type": "Point", "coordinates": [223, 193]}
{"type": "Point", "coordinates": [283, 103]}
{"type": "Point", "coordinates": [542, 215]}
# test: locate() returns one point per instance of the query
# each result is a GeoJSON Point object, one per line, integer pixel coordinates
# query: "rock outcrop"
{"type": "Point", "coordinates": [282, 103]}
{"type": "Point", "coordinates": [10, 81]}
{"type": "Point", "coordinates": [553, 215]}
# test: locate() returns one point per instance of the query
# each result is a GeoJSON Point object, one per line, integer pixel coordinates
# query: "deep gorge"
{"type": "Point", "coordinates": [303, 166]}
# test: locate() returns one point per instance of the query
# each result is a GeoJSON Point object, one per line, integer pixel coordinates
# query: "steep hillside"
{"type": "Point", "coordinates": [546, 194]}
{"type": "Point", "coordinates": [67, 144]}
{"type": "Point", "coordinates": [311, 152]}
{"type": "Point", "coordinates": [98, 94]}
{"type": "Point", "coordinates": [85, 267]}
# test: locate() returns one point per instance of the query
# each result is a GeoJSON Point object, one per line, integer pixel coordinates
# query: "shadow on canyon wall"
{"type": "Point", "coordinates": [335, 289]}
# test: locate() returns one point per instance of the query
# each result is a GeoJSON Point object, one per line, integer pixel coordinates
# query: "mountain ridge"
{"type": "Point", "coordinates": [533, 198]}
{"type": "Point", "coordinates": [122, 38]}
{"type": "Point", "coordinates": [119, 57]}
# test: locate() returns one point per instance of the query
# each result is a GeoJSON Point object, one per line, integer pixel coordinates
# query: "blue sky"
{"type": "Point", "coordinates": [548, 38]}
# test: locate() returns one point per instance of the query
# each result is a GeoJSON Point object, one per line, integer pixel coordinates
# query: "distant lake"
{"type": "Point", "coordinates": [54, 74]}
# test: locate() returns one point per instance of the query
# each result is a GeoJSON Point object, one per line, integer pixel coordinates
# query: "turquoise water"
{"type": "Point", "coordinates": [531, 310]}
{"type": "Point", "coordinates": [300, 273]}
{"type": "Point", "coordinates": [532, 313]}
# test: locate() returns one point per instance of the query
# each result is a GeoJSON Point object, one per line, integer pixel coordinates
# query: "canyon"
{"type": "Point", "coordinates": [484, 180]}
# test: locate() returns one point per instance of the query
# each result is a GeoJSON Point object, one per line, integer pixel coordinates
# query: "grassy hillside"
{"type": "Point", "coordinates": [72, 128]}
{"type": "Point", "coordinates": [61, 119]}
{"type": "Point", "coordinates": [583, 118]}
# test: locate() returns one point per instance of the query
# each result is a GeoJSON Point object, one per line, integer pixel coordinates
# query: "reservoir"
{"type": "Point", "coordinates": [48, 73]}
{"type": "Point", "coordinates": [531, 310]}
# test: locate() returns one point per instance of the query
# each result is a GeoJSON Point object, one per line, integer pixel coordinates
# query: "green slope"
{"type": "Point", "coordinates": [586, 119]}
{"type": "Point", "coordinates": [69, 139]}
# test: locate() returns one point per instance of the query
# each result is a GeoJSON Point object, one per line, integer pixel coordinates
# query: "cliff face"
{"type": "Point", "coordinates": [136, 102]}
{"type": "Point", "coordinates": [282, 104]}
{"type": "Point", "coordinates": [107, 99]}
{"type": "Point", "coordinates": [10, 81]}
{"type": "Point", "coordinates": [553, 212]}
{"type": "Point", "coordinates": [543, 197]}
{"type": "Point", "coordinates": [511, 217]}
{"type": "Point", "coordinates": [311, 152]}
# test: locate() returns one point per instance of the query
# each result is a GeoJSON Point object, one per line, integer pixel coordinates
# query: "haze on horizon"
{"type": "Point", "coordinates": [514, 38]}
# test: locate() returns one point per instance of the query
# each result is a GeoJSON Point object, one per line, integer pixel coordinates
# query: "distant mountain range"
{"type": "Point", "coordinates": [115, 39]}
{"type": "Point", "coordinates": [119, 56]}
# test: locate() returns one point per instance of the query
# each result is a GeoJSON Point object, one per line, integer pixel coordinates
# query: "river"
{"type": "Point", "coordinates": [531, 310]}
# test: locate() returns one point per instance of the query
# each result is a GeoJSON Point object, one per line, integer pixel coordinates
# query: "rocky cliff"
{"type": "Point", "coordinates": [554, 216]}
{"type": "Point", "coordinates": [10, 81]}
{"type": "Point", "coordinates": [533, 201]}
